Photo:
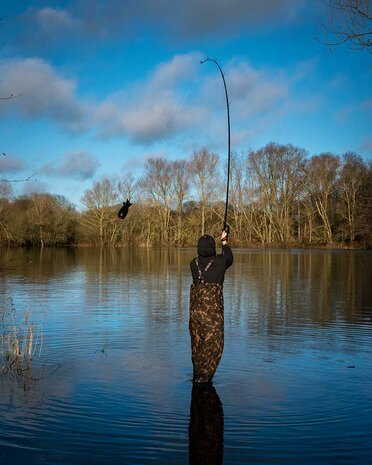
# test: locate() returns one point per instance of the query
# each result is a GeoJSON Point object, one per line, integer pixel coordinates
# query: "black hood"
{"type": "Point", "coordinates": [206, 246]}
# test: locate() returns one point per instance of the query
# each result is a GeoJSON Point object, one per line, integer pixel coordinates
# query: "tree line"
{"type": "Point", "coordinates": [279, 196]}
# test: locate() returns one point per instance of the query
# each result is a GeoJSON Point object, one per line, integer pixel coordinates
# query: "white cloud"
{"type": "Point", "coordinates": [179, 69]}
{"type": "Point", "coordinates": [257, 96]}
{"type": "Point", "coordinates": [48, 26]}
{"type": "Point", "coordinates": [155, 109]}
{"type": "Point", "coordinates": [148, 120]}
{"type": "Point", "coordinates": [77, 165]}
{"type": "Point", "coordinates": [43, 93]}
{"type": "Point", "coordinates": [183, 99]}
{"type": "Point", "coordinates": [199, 19]}
{"type": "Point", "coordinates": [178, 99]}
{"type": "Point", "coordinates": [35, 187]}
{"type": "Point", "coordinates": [53, 20]}
{"type": "Point", "coordinates": [366, 145]}
{"type": "Point", "coordinates": [193, 20]}
{"type": "Point", "coordinates": [10, 164]}
{"type": "Point", "coordinates": [254, 91]}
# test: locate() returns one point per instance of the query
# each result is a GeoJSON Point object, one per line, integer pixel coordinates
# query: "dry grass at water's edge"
{"type": "Point", "coordinates": [21, 340]}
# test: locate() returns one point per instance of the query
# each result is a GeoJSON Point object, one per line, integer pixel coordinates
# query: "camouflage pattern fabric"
{"type": "Point", "coordinates": [206, 329]}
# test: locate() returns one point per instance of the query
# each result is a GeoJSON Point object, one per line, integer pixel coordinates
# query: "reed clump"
{"type": "Point", "coordinates": [21, 340]}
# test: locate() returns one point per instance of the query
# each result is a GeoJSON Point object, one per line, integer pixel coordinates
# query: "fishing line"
{"type": "Point", "coordinates": [225, 225]}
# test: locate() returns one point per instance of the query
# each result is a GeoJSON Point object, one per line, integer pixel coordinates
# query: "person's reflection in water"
{"type": "Point", "coordinates": [206, 426]}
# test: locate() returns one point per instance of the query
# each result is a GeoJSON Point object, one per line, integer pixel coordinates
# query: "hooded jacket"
{"type": "Point", "coordinates": [207, 251]}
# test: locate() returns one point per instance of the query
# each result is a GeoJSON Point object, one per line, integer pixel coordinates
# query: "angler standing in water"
{"type": "Point", "coordinates": [206, 306]}
{"type": "Point", "coordinates": [206, 294]}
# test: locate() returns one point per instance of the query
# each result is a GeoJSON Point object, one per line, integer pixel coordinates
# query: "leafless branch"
{"type": "Point", "coordinates": [352, 25]}
{"type": "Point", "coordinates": [7, 180]}
{"type": "Point", "coordinates": [11, 96]}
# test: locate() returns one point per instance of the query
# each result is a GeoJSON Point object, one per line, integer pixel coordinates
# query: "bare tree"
{"type": "Point", "coordinates": [350, 22]}
{"type": "Point", "coordinates": [307, 220]}
{"type": "Point", "coordinates": [321, 183]}
{"type": "Point", "coordinates": [181, 188]}
{"type": "Point", "coordinates": [238, 194]}
{"type": "Point", "coordinates": [278, 174]}
{"type": "Point", "coordinates": [39, 214]}
{"type": "Point", "coordinates": [277, 195]}
{"type": "Point", "coordinates": [6, 192]}
{"type": "Point", "coordinates": [63, 221]}
{"type": "Point", "coordinates": [203, 167]}
{"type": "Point", "coordinates": [48, 219]}
{"type": "Point", "coordinates": [366, 198]}
{"type": "Point", "coordinates": [157, 184]}
{"type": "Point", "coordinates": [100, 215]}
{"type": "Point", "coordinates": [352, 178]}
{"type": "Point", "coordinates": [127, 187]}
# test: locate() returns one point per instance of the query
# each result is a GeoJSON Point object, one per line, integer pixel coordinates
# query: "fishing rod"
{"type": "Point", "coordinates": [225, 225]}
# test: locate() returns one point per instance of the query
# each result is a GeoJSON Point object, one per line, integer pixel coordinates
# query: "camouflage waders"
{"type": "Point", "coordinates": [206, 327]}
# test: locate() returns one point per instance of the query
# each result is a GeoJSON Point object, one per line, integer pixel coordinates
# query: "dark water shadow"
{"type": "Point", "coordinates": [206, 426]}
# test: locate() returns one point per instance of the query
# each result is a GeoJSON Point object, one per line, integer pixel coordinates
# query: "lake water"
{"type": "Point", "coordinates": [113, 381]}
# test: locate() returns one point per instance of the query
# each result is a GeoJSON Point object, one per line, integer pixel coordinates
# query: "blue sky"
{"type": "Point", "coordinates": [106, 84]}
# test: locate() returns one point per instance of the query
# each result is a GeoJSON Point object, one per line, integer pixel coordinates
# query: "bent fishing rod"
{"type": "Point", "coordinates": [225, 225]}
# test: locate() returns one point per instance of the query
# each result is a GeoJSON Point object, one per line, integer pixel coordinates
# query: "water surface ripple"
{"type": "Point", "coordinates": [112, 383]}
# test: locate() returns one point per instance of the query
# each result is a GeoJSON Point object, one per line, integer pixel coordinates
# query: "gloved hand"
{"type": "Point", "coordinates": [224, 237]}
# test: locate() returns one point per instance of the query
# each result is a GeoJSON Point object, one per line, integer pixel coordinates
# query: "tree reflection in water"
{"type": "Point", "coordinates": [206, 426]}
